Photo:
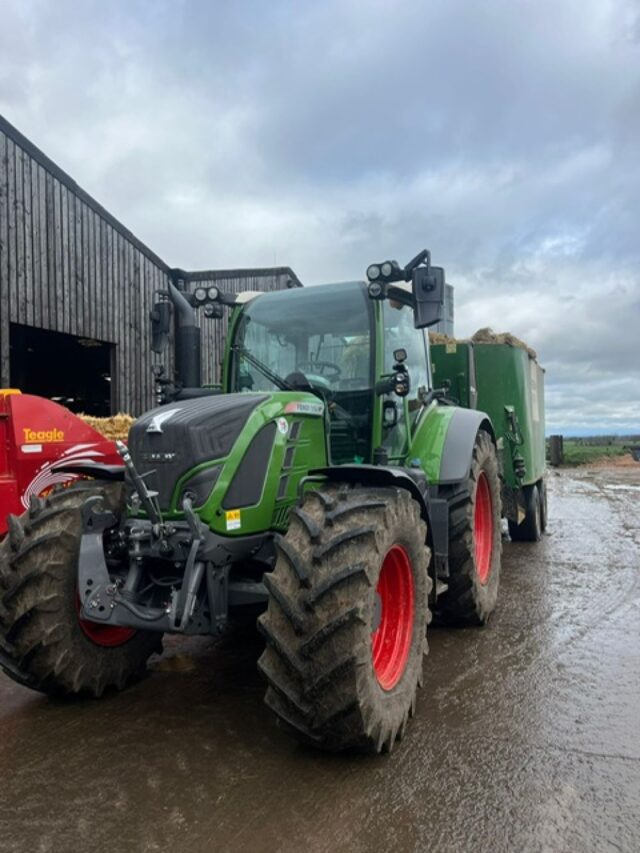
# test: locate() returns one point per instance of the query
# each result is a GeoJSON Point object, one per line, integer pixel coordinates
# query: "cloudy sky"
{"type": "Point", "coordinates": [503, 135]}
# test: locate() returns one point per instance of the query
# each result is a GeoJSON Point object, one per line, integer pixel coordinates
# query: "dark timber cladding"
{"type": "Point", "coordinates": [230, 281]}
{"type": "Point", "coordinates": [67, 265]}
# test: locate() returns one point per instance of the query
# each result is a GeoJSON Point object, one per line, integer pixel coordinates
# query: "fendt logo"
{"type": "Point", "coordinates": [158, 420]}
{"type": "Point", "coordinates": [42, 435]}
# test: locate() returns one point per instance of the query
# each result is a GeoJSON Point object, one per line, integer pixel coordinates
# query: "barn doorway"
{"type": "Point", "coordinates": [70, 370]}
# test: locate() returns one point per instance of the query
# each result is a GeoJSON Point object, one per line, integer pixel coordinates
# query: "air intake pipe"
{"type": "Point", "coordinates": [187, 340]}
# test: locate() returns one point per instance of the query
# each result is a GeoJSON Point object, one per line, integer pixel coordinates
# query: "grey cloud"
{"type": "Point", "coordinates": [503, 135]}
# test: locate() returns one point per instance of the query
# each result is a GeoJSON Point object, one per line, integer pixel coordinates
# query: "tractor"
{"type": "Point", "coordinates": [326, 483]}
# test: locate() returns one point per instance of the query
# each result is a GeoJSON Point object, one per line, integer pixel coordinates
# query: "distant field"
{"type": "Point", "coordinates": [583, 451]}
{"type": "Point", "coordinates": [576, 453]}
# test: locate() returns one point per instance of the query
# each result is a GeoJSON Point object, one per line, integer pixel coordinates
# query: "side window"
{"type": "Point", "coordinates": [399, 332]}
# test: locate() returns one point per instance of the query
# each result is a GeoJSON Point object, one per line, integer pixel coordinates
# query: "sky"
{"type": "Point", "coordinates": [502, 135]}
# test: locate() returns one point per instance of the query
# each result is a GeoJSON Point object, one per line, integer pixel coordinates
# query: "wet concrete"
{"type": "Point", "coordinates": [527, 736]}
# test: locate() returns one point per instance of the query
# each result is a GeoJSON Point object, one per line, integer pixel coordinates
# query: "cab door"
{"type": "Point", "coordinates": [399, 415]}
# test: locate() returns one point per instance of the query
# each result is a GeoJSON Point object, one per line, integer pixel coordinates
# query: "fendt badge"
{"type": "Point", "coordinates": [158, 420]}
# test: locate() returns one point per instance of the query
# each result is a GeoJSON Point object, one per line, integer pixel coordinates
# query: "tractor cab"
{"type": "Point", "coordinates": [336, 342]}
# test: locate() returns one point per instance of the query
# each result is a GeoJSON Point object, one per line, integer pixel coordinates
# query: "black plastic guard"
{"type": "Point", "coordinates": [411, 479]}
{"type": "Point", "coordinates": [97, 470]}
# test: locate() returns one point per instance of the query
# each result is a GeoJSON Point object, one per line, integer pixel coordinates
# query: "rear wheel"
{"type": "Point", "coordinates": [44, 644]}
{"type": "Point", "coordinates": [475, 542]}
{"type": "Point", "coordinates": [347, 617]}
{"type": "Point", "coordinates": [530, 528]}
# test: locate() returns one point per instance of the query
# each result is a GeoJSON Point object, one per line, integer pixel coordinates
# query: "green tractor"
{"type": "Point", "coordinates": [326, 482]}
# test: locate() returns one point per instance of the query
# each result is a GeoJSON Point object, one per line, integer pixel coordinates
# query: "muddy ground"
{"type": "Point", "coordinates": [527, 736]}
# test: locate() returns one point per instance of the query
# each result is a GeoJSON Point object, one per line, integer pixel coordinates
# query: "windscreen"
{"type": "Point", "coordinates": [315, 339]}
{"type": "Point", "coordinates": [322, 332]}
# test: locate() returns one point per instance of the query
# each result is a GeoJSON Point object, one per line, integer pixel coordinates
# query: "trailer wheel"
{"type": "Point", "coordinates": [530, 528]}
{"type": "Point", "coordinates": [544, 511]}
{"type": "Point", "coordinates": [44, 644]}
{"type": "Point", "coordinates": [475, 542]}
{"type": "Point", "coordinates": [345, 627]}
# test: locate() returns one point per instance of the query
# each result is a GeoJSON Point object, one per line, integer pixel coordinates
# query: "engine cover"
{"type": "Point", "coordinates": [173, 439]}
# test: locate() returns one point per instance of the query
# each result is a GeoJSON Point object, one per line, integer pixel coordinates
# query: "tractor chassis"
{"type": "Point", "coordinates": [199, 604]}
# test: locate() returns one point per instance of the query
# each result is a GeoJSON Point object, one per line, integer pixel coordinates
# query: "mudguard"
{"type": "Point", "coordinates": [433, 509]}
{"type": "Point", "coordinates": [97, 470]}
{"type": "Point", "coordinates": [457, 450]}
{"type": "Point", "coordinates": [413, 480]}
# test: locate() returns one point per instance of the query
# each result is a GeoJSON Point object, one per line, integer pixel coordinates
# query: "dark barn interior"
{"type": "Point", "coordinates": [73, 371]}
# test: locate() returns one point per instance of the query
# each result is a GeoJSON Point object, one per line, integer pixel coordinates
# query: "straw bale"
{"type": "Point", "coordinates": [114, 428]}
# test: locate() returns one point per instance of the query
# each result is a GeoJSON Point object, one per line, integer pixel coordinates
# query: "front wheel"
{"type": "Point", "coordinates": [346, 622]}
{"type": "Point", "coordinates": [44, 644]}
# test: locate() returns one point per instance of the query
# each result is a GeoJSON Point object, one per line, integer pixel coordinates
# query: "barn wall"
{"type": "Point", "coordinates": [67, 265]}
{"type": "Point", "coordinates": [214, 332]}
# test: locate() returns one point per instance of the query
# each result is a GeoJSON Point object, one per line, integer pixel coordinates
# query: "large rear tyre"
{"type": "Point", "coordinates": [530, 528]}
{"type": "Point", "coordinates": [346, 623]}
{"type": "Point", "coordinates": [475, 541]}
{"type": "Point", "coordinates": [43, 642]}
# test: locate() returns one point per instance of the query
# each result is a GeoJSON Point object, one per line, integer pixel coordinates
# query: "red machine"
{"type": "Point", "coordinates": [35, 436]}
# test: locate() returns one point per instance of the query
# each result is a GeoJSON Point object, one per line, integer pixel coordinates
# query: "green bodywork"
{"type": "Point", "coordinates": [307, 436]}
{"type": "Point", "coordinates": [509, 387]}
{"type": "Point", "coordinates": [309, 451]}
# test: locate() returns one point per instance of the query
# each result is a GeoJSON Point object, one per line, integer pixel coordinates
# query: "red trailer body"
{"type": "Point", "coordinates": [35, 436]}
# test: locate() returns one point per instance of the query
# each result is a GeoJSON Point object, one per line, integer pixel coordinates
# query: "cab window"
{"type": "Point", "coordinates": [400, 333]}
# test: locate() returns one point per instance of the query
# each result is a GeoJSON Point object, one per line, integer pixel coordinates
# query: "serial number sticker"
{"type": "Point", "coordinates": [450, 347]}
{"type": "Point", "coordinates": [32, 448]}
{"type": "Point", "coordinates": [233, 519]}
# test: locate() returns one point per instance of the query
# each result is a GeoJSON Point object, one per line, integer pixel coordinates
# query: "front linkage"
{"type": "Point", "coordinates": [177, 573]}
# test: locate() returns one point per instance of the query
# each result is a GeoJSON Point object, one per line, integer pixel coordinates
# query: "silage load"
{"type": "Point", "coordinates": [114, 428]}
{"type": "Point", "coordinates": [484, 336]}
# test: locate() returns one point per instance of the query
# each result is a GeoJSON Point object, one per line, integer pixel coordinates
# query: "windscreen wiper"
{"type": "Point", "coordinates": [278, 381]}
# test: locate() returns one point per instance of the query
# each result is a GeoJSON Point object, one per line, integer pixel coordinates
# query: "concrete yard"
{"type": "Point", "coordinates": [526, 738]}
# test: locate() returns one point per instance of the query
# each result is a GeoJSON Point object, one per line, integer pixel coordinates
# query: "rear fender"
{"type": "Point", "coordinates": [457, 451]}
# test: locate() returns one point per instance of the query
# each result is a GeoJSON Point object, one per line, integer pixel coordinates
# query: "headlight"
{"type": "Point", "coordinates": [200, 294]}
{"type": "Point", "coordinates": [213, 293]}
{"type": "Point", "coordinates": [373, 272]}
{"type": "Point", "coordinates": [199, 487]}
{"type": "Point", "coordinates": [386, 269]}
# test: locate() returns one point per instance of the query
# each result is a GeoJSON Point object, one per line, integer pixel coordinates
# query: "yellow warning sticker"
{"type": "Point", "coordinates": [450, 347]}
{"type": "Point", "coordinates": [233, 519]}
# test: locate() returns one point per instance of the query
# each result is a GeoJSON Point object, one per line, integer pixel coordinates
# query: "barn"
{"type": "Point", "coordinates": [76, 290]}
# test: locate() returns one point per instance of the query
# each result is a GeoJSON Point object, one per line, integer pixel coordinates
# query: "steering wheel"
{"type": "Point", "coordinates": [327, 369]}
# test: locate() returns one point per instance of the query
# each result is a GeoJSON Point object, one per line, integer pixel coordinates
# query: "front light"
{"type": "Point", "coordinates": [200, 294]}
{"type": "Point", "coordinates": [199, 487]}
{"type": "Point", "coordinates": [213, 293]}
{"type": "Point", "coordinates": [373, 272]}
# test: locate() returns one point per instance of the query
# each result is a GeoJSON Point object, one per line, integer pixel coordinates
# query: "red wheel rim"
{"type": "Point", "coordinates": [483, 528]}
{"type": "Point", "coordinates": [391, 638]}
{"type": "Point", "coordinates": [107, 636]}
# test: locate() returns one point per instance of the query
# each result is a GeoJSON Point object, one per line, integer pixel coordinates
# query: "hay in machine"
{"type": "Point", "coordinates": [485, 336]}
{"type": "Point", "coordinates": [115, 428]}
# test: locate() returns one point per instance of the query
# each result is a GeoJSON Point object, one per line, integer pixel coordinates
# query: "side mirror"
{"type": "Point", "coordinates": [428, 292]}
{"type": "Point", "coordinates": [160, 326]}
{"type": "Point", "coordinates": [389, 414]}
